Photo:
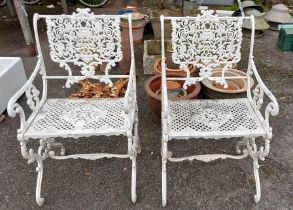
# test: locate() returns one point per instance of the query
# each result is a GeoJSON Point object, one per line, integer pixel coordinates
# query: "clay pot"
{"type": "Point", "coordinates": [125, 63]}
{"type": "Point", "coordinates": [138, 24]}
{"type": "Point", "coordinates": [173, 88]}
{"type": "Point", "coordinates": [133, 8]}
{"type": "Point", "coordinates": [153, 85]}
{"type": "Point", "coordinates": [236, 87]}
{"type": "Point", "coordinates": [173, 71]}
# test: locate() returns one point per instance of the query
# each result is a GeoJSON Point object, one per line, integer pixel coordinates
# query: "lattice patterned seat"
{"type": "Point", "coordinates": [82, 117]}
{"type": "Point", "coordinates": [213, 118]}
{"type": "Point", "coordinates": [209, 42]}
{"type": "Point", "coordinates": [84, 40]}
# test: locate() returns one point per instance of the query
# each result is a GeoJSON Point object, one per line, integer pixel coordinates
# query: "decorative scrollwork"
{"type": "Point", "coordinates": [206, 41]}
{"type": "Point", "coordinates": [260, 90]}
{"type": "Point", "coordinates": [251, 148]}
{"type": "Point", "coordinates": [258, 95]}
{"type": "Point", "coordinates": [32, 95]}
{"type": "Point", "coordinates": [44, 151]}
{"type": "Point", "coordinates": [86, 40]}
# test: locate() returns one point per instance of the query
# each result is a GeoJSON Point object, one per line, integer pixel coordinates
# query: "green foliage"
{"type": "Point", "coordinates": [259, 2]}
{"type": "Point", "coordinates": [230, 8]}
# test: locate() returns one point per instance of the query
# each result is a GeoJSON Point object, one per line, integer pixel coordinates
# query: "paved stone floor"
{"type": "Point", "coordinates": [105, 184]}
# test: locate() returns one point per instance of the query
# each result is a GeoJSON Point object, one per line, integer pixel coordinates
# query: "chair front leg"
{"type": "Point", "coordinates": [43, 153]}
{"type": "Point", "coordinates": [254, 153]}
{"type": "Point", "coordinates": [132, 152]}
{"type": "Point", "coordinates": [164, 170]}
{"type": "Point", "coordinates": [39, 169]}
{"type": "Point", "coordinates": [39, 157]}
{"type": "Point", "coordinates": [133, 177]}
{"type": "Point", "coordinates": [257, 181]}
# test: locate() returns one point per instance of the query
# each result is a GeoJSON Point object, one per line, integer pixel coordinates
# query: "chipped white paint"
{"type": "Point", "coordinates": [208, 41]}
{"type": "Point", "coordinates": [85, 40]}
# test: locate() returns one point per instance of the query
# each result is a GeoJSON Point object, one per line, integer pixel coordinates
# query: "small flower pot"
{"type": "Point", "coordinates": [237, 88]}
{"type": "Point", "coordinates": [173, 89]}
{"type": "Point", "coordinates": [153, 86]}
{"type": "Point", "coordinates": [138, 24]}
{"type": "Point", "coordinates": [175, 70]}
{"type": "Point", "coordinates": [152, 53]}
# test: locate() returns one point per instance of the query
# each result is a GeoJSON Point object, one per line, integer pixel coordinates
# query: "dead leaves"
{"type": "Point", "coordinates": [96, 90]}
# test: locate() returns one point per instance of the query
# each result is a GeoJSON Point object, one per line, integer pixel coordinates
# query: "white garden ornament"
{"type": "Point", "coordinates": [85, 40]}
{"type": "Point", "coordinates": [208, 41]}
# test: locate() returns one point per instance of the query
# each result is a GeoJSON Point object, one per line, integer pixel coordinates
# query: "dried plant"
{"type": "Point", "coordinates": [96, 90]}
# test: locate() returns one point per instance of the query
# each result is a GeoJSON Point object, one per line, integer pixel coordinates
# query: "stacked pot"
{"type": "Point", "coordinates": [175, 89]}
{"type": "Point", "coordinates": [237, 88]}
{"type": "Point", "coordinates": [138, 24]}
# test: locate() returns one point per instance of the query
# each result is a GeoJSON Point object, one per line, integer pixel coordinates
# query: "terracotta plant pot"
{"type": "Point", "coordinates": [173, 88]}
{"type": "Point", "coordinates": [236, 87]}
{"type": "Point", "coordinates": [138, 24]}
{"type": "Point", "coordinates": [172, 71]}
{"type": "Point", "coordinates": [125, 63]}
{"type": "Point", "coordinates": [153, 86]}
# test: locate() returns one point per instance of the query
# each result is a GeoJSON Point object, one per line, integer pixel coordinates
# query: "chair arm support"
{"type": "Point", "coordinates": [130, 94]}
{"type": "Point", "coordinates": [164, 93]}
{"type": "Point", "coordinates": [272, 107]}
{"type": "Point", "coordinates": [32, 94]}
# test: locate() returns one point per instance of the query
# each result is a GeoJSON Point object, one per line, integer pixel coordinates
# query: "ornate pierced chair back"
{"type": "Point", "coordinates": [206, 41]}
{"type": "Point", "coordinates": [84, 39]}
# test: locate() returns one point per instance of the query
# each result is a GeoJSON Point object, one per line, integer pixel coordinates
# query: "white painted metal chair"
{"type": "Point", "coordinates": [85, 40]}
{"type": "Point", "coordinates": [208, 41]}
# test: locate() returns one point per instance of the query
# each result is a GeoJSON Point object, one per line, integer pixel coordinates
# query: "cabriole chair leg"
{"type": "Point", "coordinates": [39, 169]}
{"type": "Point", "coordinates": [257, 181]}
{"type": "Point", "coordinates": [254, 153]}
{"type": "Point", "coordinates": [164, 174]}
{"type": "Point", "coordinates": [133, 178]}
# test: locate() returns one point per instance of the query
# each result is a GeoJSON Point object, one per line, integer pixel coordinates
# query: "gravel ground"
{"type": "Point", "coordinates": [105, 184]}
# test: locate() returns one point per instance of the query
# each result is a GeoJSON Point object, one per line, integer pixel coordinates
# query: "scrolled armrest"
{"type": "Point", "coordinates": [272, 107]}
{"type": "Point", "coordinates": [32, 94]}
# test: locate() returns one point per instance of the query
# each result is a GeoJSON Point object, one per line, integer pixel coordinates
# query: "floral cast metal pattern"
{"type": "Point", "coordinates": [60, 117]}
{"type": "Point", "coordinates": [209, 42]}
{"type": "Point", "coordinates": [209, 116]}
{"type": "Point", "coordinates": [206, 41]}
{"type": "Point", "coordinates": [84, 39]}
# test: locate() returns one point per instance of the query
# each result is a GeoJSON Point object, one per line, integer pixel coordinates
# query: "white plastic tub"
{"type": "Point", "coordinates": [12, 78]}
